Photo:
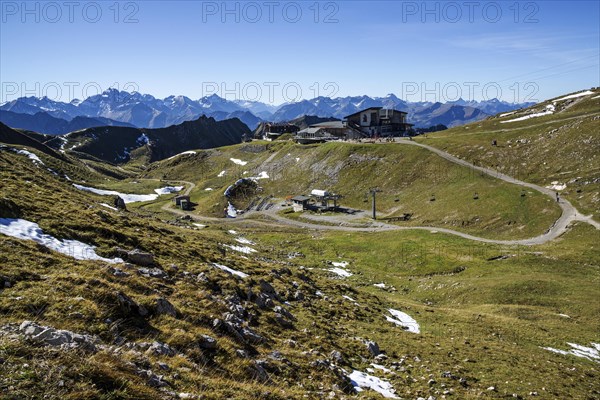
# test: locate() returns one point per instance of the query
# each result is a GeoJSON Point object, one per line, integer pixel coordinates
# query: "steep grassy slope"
{"type": "Point", "coordinates": [408, 177]}
{"type": "Point", "coordinates": [483, 320]}
{"type": "Point", "coordinates": [562, 147]}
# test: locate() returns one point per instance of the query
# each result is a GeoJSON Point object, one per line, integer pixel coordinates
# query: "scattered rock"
{"type": "Point", "coordinates": [153, 379]}
{"type": "Point", "coordinates": [284, 311]}
{"type": "Point", "coordinates": [207, 342]}
{"type": "Point", "coordinates": [336, 357]}
{"type": "Point", "coordinates": [258, 372]}
{"type": "Point", "coordinates": [163, 366]}
{"type": "Point", "coordinates": [373, 348]}
{"type": "Point", "coordinates": [58, 337]}
{"type": "Point", "coordinates": [152, 273]}
{"type": "Point", "coordinates": [117, 272]}
{"type": "Point", "coordinates": [267, 288]}
{"type": "Point", "coordinates": [164, 307]}
{"type": "Point", "coordinates": [128, 306]}
{"type": "Point", "coordinates": [136, 257]}
{"type": "Point", "coordinates": [282, 321]}
{"type": "Point", "coordinates": [161, 349]}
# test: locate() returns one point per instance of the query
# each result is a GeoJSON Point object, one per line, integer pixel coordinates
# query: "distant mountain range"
{"type": "Point", "coordinates": [114, 107]}
{"type": "Point", "coordinates": [43, 122]}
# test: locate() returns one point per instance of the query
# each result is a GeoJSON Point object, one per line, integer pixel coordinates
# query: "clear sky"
{"type": "Point", "coordinates": [286, 50]}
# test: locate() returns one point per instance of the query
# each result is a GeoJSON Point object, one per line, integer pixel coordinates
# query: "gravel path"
{"type": "Point", "coordinates": [568, 216]}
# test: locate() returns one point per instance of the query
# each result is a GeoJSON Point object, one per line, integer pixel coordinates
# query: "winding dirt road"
{"type": "Point", "coordinates": [560, 226]}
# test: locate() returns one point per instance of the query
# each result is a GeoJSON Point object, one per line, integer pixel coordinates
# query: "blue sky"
{"type": "Point", "coordinates": [286, 50]}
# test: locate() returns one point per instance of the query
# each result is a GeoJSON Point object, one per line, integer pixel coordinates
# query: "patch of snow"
{"type": "Point", "coordinates": [231, 211]}
{"type": "Point", "coordinates": [297, 159]}
{"type": "Point", "coordinates": [555, 185]}
{"type": "Point", "coordinates": [244, 241]}
{"type": "Point", "coordinates": [319, 293]}
{"type": "Point", "coordinates": [342, 264]}
{"type": "Point", "coordinates": [241, 249]}
{"type": "Point", "coordinates": [262, 175]}
{"type": "Point", "coordinates": [181, 154]}
{"type": "Point", "coordinates": [563, 315]}
{"type": "Point", "coordinates": [199, 225]}
{"type": "Point", "coordinates": [168, 190]}
{"type": "Point", "coordinates": [381, 367]}
{"type": "Point", "coordinates": [231, 231]}
{"type": "Point", "coordinates": [110, 207]}
{"type": "Point", "coordinates": [549, 111]}
{"type": "Point", "coordinates": [127, 198]}
{"type": "Point", "coordinates": [349, 298]}
{"type": "Point", "coordinates": [591, 353]}
{"type": "Point", "coordinates": [404, 320]}
{"type": "Point", "coordinates": [238, 161]}
{"type": "Point", "coordinates": [361, 380]}
{"type": "Point", "coordinates": [26, 230]}
{"type": "Point", "coordinates": [597, 97]}
{"type": "Point", "coordinates": [221, 174]}
{"type": "Point", "coordinates": [380, 285]}
{"type": "Point", "coordinates": [30, 155]}
{"type": "Point", "coordinates": [341, 272]}
{"type": "Point", "coordinates": [573, 96]}
{"type": "Point", "coordinates": [209, 189]}
{"type": "Point", "coordinates": [507, 114]}
{"type": "Point", "coordinates": [230, 270]}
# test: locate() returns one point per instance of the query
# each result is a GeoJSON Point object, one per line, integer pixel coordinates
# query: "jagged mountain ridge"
{"type": "Point", "coordinates": [146, 111]}
{"type": "Point", "coordinates": [45, 123]}
{"type": "Point", "coordinates": [116, 144]}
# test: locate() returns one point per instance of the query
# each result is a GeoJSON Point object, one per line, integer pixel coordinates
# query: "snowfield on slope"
{"type": "Point", "coordinates": [549, 111]}
{"type": "Point", "coordinates": [168, 190]}
{"type": "Point", "coordinates": [361, 380]}
{"type": "Point", "coordinates": [573, 96]}
{"type": "Point", "coordinates": [238, 161]}
{"type": "Point", "coordinates": [241, 249]}
{"type": "Point", "coordinates": [26, 230]}
{"type": "Point", "coordinates": [230, 270]}
{"type": "Point", "coordinates": [181, 154]}
{"type": "Point", "coordinates": [404, 320]}
{"type": "Point", "coordinates": [36, 160]}
{"type": "Point", "coordinates": [591, 353]}
{"type": "Point", "coordinates": [340, 269]}
{"type": "Point", "coordinates": [130, 198]}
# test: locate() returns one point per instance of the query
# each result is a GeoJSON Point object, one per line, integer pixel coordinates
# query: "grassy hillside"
{"type": "Point", "coordinates": [141, 146]}
{"type": "Point", "coordinates": [562, 147]}
{"type": "Point", "coordinates": [296, 330]}
{"type": "Point", "coordinates": [408, 177]}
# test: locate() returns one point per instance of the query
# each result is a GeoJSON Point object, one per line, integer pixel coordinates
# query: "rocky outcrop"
{"type": "Point", "coordinates": [129, 307]}
{"type": "Point", "coordinates": [57, 337]}
{"type": "Point", "coordinates": [164, 307]}
{"type": "Point", "coordinates": [136, 257]}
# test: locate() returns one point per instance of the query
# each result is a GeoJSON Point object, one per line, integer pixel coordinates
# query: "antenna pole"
{"type": "Point", "coordinates": [374, 192]}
